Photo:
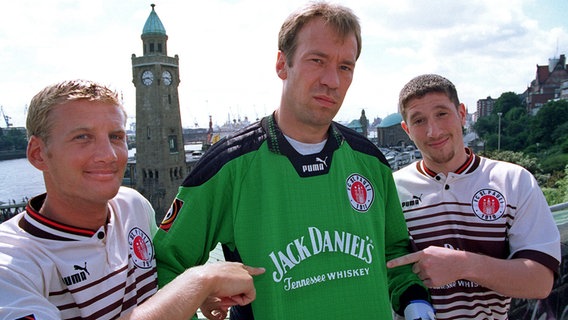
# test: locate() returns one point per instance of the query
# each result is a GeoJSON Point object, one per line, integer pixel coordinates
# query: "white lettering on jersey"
{"type": "Point", "coordinates": [320, 242]}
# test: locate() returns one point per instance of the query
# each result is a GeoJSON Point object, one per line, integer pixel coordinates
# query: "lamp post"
{"type": "Point", "coordinates": [499, 135]}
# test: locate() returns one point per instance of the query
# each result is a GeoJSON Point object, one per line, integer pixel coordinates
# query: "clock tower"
{"type": "Point", "coordinates": [160, 155]}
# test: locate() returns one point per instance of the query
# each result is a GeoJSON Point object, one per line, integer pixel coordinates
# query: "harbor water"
{"type": "Point", "coordinates": [19, 180]}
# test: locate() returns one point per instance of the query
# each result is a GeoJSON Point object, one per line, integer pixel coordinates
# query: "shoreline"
{"type": "Point", "coordinates": [11, 155]}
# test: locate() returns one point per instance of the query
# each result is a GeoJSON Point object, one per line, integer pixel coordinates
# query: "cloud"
{"type": "Point", "coordinates": [227, 50]}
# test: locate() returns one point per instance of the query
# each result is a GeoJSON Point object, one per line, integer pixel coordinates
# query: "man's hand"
{"type": "Point", "coordinates": [232, 285]}
{"type": "Point", "coordinates": [233, 282]}
{"type": "Point", "coordinates": [213, 309]}
{"type": "Point", "coordinates": [435, 266]}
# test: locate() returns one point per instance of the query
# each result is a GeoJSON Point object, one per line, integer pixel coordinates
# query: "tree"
{"type": "Point", "coordinates": [507, 101]}
{"type": "Point", "coordinates": [515, 129]}
{"type": "Point", "coordinates": [550, 117]}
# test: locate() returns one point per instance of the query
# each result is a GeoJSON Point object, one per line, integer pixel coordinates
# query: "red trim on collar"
{"type": "Point", "coordinates": [467, 163]}
{"type": "Point", "coordinates": [34, 214]}
{"type": "Point", "coordinates": [461, 169]}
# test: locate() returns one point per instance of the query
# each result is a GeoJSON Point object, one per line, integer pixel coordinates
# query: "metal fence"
{"type": "Point", "coordinates": [555, 307]}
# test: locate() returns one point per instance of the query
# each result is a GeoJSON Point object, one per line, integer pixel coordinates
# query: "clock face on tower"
{"type": "Point", "coordinates": [147, 77]}
{"type": "Point", "coordinates": [167, 78]}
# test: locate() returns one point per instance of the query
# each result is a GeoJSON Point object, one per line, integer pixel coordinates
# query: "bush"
{"type": "Point", "coordinates": [554, 162]}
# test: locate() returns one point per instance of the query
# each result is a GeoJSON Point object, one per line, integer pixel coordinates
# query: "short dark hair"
{"type": "Point", "coordinates": [422, 85]}
{"type": "Point", "coordinates": [341, 18]}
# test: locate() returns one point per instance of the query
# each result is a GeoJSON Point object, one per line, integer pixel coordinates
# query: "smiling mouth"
{"type": "Point", "coordinates": [102, 174]}
{"type": "Point", "coordinates": [438, 143]}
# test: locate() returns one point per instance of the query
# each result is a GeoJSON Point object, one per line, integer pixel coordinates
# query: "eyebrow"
{"type": "Point", "coordinates": [318, 53]}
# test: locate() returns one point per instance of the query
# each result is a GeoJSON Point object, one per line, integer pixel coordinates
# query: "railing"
{"type": "Point", "coordinates": [555, 307]}
{"type": "Point", "coordinates": [7, 211]}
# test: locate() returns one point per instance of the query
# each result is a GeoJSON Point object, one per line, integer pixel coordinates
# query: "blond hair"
{"type": "Point", "coordinates": [38, 122]}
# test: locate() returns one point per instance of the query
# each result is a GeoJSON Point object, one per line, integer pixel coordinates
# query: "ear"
{"type": "Point", "coordinates": [405, 127]}
{"type": "Point", "coordinates": [36, 153]}
{"type": "Point", "coordinates": [281, 66]}
{"type": "Point", "coordinates": [462, 111]}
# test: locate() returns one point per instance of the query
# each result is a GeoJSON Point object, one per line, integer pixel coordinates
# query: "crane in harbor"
{"type": "Point", "coordinates": [6, 118]}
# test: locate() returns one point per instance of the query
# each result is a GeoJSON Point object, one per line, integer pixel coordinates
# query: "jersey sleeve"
{"type": "Point", "coordinates": [404, 285]}
{"type": "Point", "coordinates": [199, 218]}
{"type": "Point", "coordinates": [22, 291]}
{"type": "Point", "coordinates": [533, 234]}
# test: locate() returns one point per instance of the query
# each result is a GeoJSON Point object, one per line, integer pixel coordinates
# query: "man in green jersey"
{"type": "Point", "coordinates": [308, 199]}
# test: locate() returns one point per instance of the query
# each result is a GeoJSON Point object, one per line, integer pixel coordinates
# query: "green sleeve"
{"type": "Point", "coordinates": [404, 285]}
{"type": "Point", "coordinates": [200, 217]}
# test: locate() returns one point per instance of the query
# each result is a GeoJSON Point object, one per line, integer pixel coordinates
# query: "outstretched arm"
{"type": "Point", "coordinates": [232, 282]}
{"type": "Point", "coordinates": [518, 278]}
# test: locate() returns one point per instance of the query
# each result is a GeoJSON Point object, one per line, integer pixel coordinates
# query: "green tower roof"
{"type": "Point", "coordinates": [391, 120]}
{"type": "Point", "coordinates": [153, 25]}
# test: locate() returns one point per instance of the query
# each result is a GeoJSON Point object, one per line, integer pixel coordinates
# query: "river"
{"type": "Point", "coordinates": [18, 180]}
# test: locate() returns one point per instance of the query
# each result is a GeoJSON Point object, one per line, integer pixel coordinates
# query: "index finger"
{"type": "Point", "coordinates": [407, 259]}
{"type": "Point", "coordinates": [254, 271]}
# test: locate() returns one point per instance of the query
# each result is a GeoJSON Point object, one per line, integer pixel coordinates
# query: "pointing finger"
{"type": "Point", "coordinates": [254, 271]}
{"type": "Point", "coordinates": [407, 259]}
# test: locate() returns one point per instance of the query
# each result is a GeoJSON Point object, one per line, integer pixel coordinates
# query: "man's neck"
{"type": "Point", "coordinates": [90, 217]}
{"type": "Point", "coordinates": [300, 131]}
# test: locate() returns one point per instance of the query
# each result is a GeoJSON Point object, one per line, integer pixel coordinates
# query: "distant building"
{"type": "Point", "coordinates": [355, 125]}
{"type": "Point", "coordinates": [485, 107]}
{"type": "Point", "coordinates": [195, 135]}
{"type": "Point", "coordinates": [563, 94]}
{"type": "Point", "coordinates": [547, 84]}
{"type": "Point", "coordinates": [360, 125]}
{"type": "Point", "coordinates": [390, 133]}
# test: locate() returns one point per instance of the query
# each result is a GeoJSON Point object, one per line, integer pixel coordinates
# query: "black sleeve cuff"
{"type": "Point", "coordinates": [414, 292]}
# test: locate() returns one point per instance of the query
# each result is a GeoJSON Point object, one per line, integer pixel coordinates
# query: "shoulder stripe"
{"type": "Point", "coordinates": [242, 142]}
{"type": "Point", "coordinates": [359, 143]}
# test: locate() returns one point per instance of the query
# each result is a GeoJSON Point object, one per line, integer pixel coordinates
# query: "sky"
{"type": "Point", "coordinates": [227, 50]}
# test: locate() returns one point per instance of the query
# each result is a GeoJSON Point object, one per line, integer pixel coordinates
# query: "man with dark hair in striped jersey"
{"type": "Point", "coordinates": [483, 230]}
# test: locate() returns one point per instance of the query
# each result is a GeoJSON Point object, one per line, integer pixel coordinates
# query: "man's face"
{"type": "Point", "coordinates": [85, 157]}
{"type": "Point", "coordinates": [435, 125]}
{"type": "Point", "coordinates": [321, 71]}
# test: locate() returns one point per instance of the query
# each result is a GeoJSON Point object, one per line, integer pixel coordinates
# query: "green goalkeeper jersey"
{"type": "Point", "coordinates": [323, 225]}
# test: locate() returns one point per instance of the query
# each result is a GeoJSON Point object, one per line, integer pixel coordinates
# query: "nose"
{"type": "Point", "coordinates": [433, 129]}
{"type": "Point", "coordinates": [330, 77]}
{"type": "Point", "coordinates": [105, 150]}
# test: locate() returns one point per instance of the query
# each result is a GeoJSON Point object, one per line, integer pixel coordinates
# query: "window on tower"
{"type": "Point", "coordinates": [172, 142]}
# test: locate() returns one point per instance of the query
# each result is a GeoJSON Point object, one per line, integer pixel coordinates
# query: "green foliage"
{"type": "Point", "coordinates": [506, 102]}
{"type": "Point", "coordinates": [538, 143]}
{"type": "Point", "coordinates": [554, 162]}
{"type": "Point", "coordinates": [549, 122]}
{"type": "Point", "coordinates": [524, 160]}
{"type": "Point", "coordinates": [558, 193]}
{"type": "Point", "coordinates": [12, 139]}
{"type": "Point", "coordinates": [486, 126]}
